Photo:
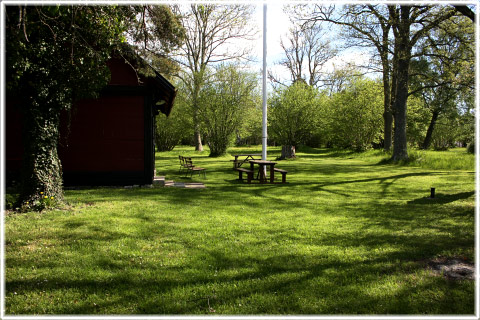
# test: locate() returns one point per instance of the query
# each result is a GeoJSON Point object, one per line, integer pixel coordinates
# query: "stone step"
{"type": "Point", "coordinates": [160, 180]}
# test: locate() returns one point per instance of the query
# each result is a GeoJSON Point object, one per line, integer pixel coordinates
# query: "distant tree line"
{"type": "Point", "coordinates": [424, 54]}
{"type": "Point", "coordinates": [424, 97]}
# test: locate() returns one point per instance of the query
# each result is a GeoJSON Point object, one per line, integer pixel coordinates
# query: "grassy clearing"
{"type": "Point", "coordinates": [346, 235]}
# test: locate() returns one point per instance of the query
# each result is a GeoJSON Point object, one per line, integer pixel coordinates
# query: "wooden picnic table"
{"type": "Point", "coordinates": [248, 156]}
{"type": "Point", "coordinates": [261, 171]}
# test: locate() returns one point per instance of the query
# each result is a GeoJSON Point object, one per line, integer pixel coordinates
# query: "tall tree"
{"type": "Point", "coordinates": [409, 25]}
{"type": "Point", "coordinates": [443, 70]}
{"type": "Point", "coordinates": [307, 50]}
{"type": "Point", "coordinates": [55, 56]}
{"type": "Point", "coordinates": [224, 103]}
{"type": "Point", "coordinates": [364, 26]}
{"type": "Point", "coordinates": [210, 32]}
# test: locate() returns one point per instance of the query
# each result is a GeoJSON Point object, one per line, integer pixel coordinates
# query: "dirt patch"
{"type": "Point", "coordinates": [452, 268]}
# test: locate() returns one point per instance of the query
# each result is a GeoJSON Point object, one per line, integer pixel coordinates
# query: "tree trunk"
{"type": "Point", "coordinates": [388, 127]}
{"type": "Point", "coordinates": [387, 93]}
{"type": "Point", "coordinates": [400, 107]}
{"type": "Point", "coordinates": [41, 177]}
{"type": "Point", "coordinates": [403, 50]}
{"type": "Point", "coordinates": [198, 141]}
{"type": "Point", "coordinates": [428, 137]}
{"type": "Point", "coordinates": [288, 152]}
{"type": "Point", "coordinates": [197, 136]}
{"type": "Point", "coordinates": [391, 97]}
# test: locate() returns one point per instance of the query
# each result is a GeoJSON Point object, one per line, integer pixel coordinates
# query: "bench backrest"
{"type": "Point", "coordinates": [188, 162]}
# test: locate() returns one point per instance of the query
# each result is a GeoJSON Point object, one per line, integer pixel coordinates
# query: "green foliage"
{"type": "Point", "coordinates": [156, 32]}
{"type": "Point", "coordinates": [293, 114]}
{"type": "Point", "coordinates": [42, 202]}
{"type": "Point", "coordinates": [250, 130]}
{"type": "Point", "coordinates": [471, 147]}
{"type": "Point", "coordinates": [223, 104]}
{"type": "Point", "coordinates": [355, 115]}
{"type": "Point", "coordinates": [443, 78]}
{"type": "Point", "coordinates": [444, 136]}
{"type": "Point", "coordinates": [10, 201]}
{"type": "Point", "coordinates": [418, 118]}
{"type": "Point", "coordinates": [55, 56]}
{"type": "Point", "coordinates": [170, 131]}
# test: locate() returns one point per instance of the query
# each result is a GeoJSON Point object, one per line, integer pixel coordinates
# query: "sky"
{"type": "Point", "coordinates": [278, 25]}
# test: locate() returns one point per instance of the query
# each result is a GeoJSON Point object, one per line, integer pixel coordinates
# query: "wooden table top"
{"type": "Point", "coordinates": [261, 162]}
{"type": "Point", "coordinates": [246, 154]}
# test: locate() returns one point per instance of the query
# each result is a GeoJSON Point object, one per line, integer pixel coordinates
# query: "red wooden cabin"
{"type": "Point", "coordinates": [109, 140]}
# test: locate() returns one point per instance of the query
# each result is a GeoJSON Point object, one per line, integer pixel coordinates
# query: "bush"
{"type": "Point", "coordinates": [167, 133]}
{"type": "Point", "coordinates": [224, 102]}
{"type": "Point", "coordinates": [10, 201]}
{"type": "Point", "coordinates": [293, 116]}
{"type": "Point", "coordinates": [355, 115]}
{"type": "Point", "coordinates": [174, 129]}
{"type": "Point", "coordinates": [471, 147]}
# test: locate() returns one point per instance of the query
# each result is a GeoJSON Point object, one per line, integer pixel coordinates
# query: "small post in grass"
{"type": "Point", "coordinates": [432, 193]}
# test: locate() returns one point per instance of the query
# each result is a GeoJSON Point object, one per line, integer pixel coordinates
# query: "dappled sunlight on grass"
{"type": "Point", "coordinates": [345, 235]}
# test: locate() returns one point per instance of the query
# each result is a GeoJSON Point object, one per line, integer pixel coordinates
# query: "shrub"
{"type": "Point", "coordinates": [471, 147]}
{"type": "Point", "coordinates": [293, 116]}
{"type": "Point", "coordinates": [355, 115]}
{"type": "Point", "coordinates": [177, 127]}
{"type": "Point", "coordinates": [224, 102]}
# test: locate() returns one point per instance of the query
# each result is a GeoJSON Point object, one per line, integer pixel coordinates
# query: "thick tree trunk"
{"type": "Point", "coordinates": [403, 53]}
{"type": "Point", "coordinates": [389, 111]}
{"type": "Point", "coordinates": [41, 177]}
{"type": "Point", "coordinates": [288, 152]}
{"type": "Point", "coordinates": [387, 93]}
{"type": "Point", "coordinates": [428, 137]}
{"type": "Point", "coordinates": [198, 141]}
{"type": "Point", "coordinates": [400, 107]}
{"type": "Point", "coordinates": [388, 127]}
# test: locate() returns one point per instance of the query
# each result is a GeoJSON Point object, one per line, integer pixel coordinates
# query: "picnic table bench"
{"type": "Point", "coordinates": [246, 157]}
{"type": "Point", "coordinates": [248, 172]}
{"type": "Point", "coordinates": [284, 174]}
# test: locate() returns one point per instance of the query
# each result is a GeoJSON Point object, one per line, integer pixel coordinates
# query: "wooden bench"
{"type": "Point", "coordinates": [191, 168]}
{"type": "Point", "coordinates": [284, 174]}
{"type": "Point", "coordinates": [248, 172]}
{"type": "Point", "coordinates": [183, 165]}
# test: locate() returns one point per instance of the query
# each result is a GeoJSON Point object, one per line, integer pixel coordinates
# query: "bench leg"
{"type": "Point", "coordinates": [284, 177]}
{"type": "Point", "coordinates": [249, 177]}
{"type": "Point", "coordinates": [240, 176]}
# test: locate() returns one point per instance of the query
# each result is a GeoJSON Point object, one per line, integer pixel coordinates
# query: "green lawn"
{"type": "Point", "coordinates": [346, 235]}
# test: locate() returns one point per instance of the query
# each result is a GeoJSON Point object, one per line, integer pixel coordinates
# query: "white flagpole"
{"type": "Point", "coordinates": [264, 86]}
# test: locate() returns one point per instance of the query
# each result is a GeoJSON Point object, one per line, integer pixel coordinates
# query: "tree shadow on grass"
{"type": "Point", "coordinates": [273, 284]}
{"type": "Point", "coordinates": [443, 198]}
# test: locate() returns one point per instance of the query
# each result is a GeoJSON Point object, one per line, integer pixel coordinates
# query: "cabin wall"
{"type": "Point", "coordinates": [104, 142]}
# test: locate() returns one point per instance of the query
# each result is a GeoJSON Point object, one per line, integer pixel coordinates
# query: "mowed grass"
{"type": "Point", "coordinates": [346, 235]}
